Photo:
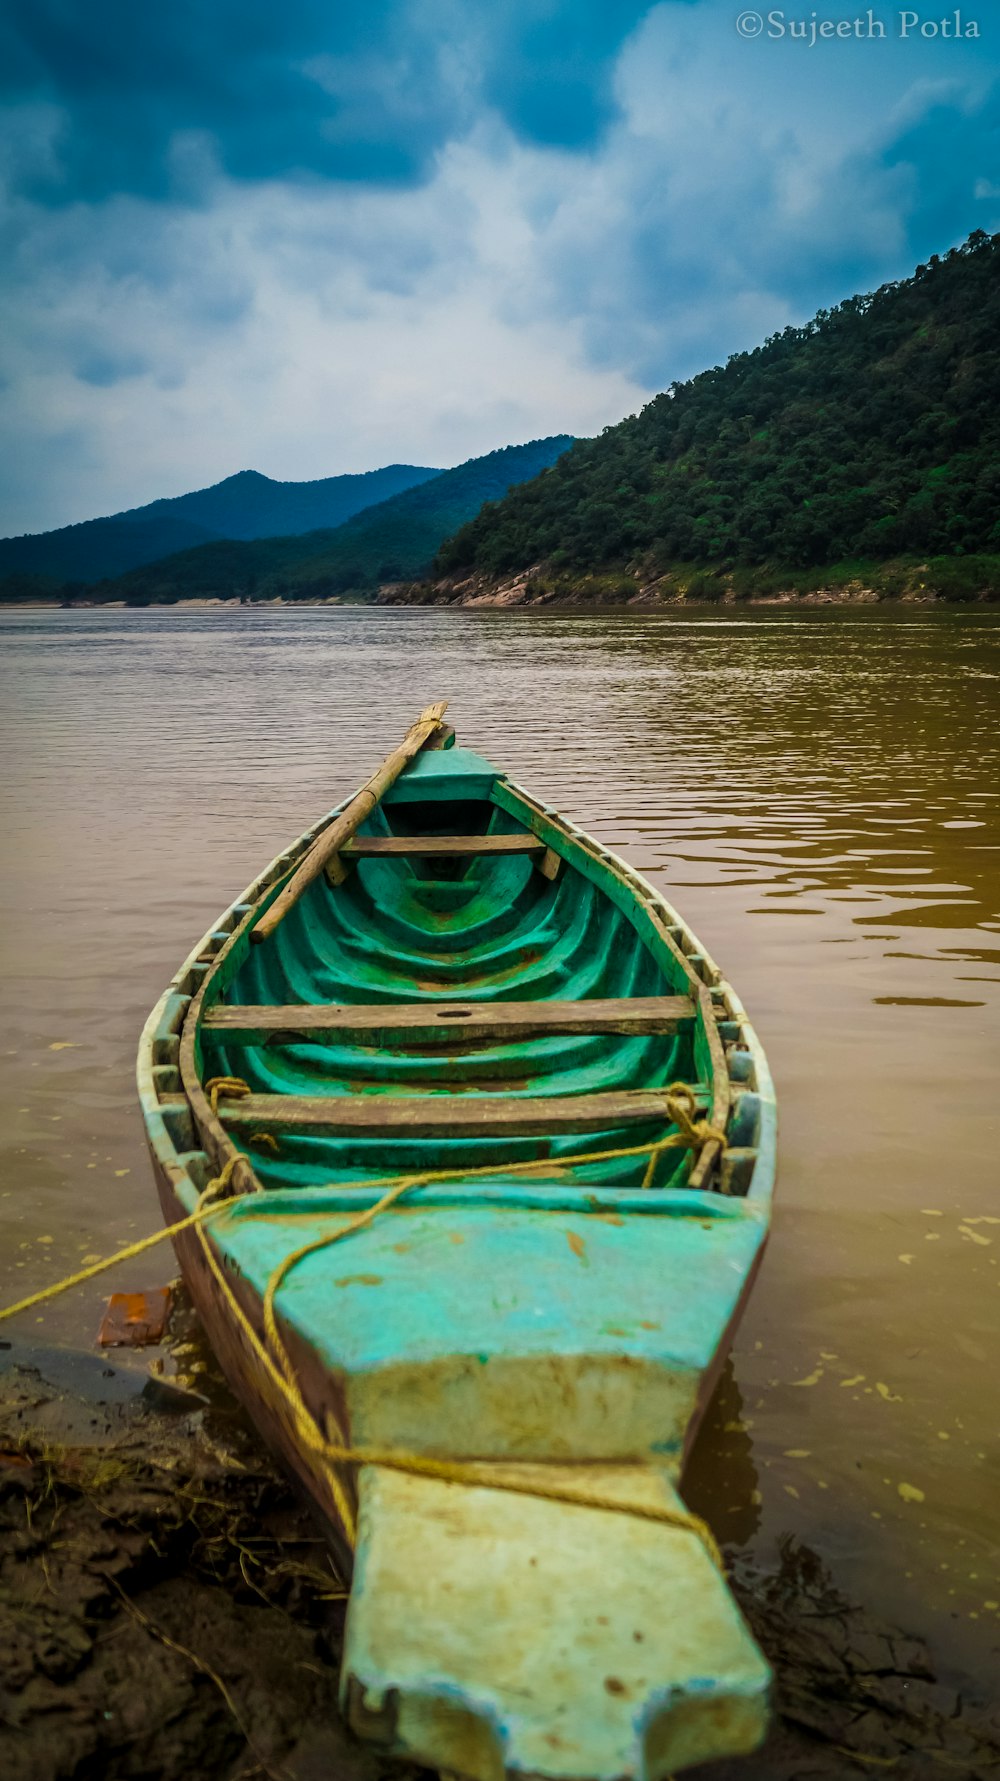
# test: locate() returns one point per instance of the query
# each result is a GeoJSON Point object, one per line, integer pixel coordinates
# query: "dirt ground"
{"type": "Point", "coordinates": [168, 1612]}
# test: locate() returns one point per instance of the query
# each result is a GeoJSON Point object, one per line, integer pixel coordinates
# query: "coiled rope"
{"type": "Point", "coordinates": [233, 1086]}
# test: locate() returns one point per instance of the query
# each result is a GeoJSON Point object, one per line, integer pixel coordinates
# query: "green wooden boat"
{"type": "Point", "coordinates": [475, 1148]}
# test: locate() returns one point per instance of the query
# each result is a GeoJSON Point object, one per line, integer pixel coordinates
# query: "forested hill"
{"type": "Point", "coordinates": [392, 541]}
{"type": "Point", "coordinates": [247, 505]}
{"type": "Point", "coordinates": [871, 433]}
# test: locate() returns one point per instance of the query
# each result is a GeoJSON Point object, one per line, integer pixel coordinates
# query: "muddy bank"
{"type": "Point", "coordinates": [168, 1610]}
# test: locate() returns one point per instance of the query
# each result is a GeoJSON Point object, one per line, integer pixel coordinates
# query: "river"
{"type": "Point", "coordinates": [817, 790]}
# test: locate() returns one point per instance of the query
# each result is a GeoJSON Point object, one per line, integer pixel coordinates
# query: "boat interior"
{"type": "Point", "coordinates": [446, 911]}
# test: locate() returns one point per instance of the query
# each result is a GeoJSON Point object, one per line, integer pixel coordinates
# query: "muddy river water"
{"type": "Point", "coordinates": [818, 791]}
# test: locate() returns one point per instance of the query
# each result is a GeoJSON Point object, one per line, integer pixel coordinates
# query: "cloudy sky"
{"type": "Point", "coordinates": [312, 236]}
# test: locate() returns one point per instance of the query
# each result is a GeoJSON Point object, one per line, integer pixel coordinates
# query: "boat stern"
{"type": "Point", "coordinates": [494, 1633]}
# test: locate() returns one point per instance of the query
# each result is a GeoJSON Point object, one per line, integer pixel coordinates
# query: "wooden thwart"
{"type": "Point", "coordinates": [438, 846]}
{"type": "Point", "coordinates": [395, 1023]}
{"type": "Point", "coordinates": [344, 825]}
{"type": "Point", "coordinates": [430, 1115]}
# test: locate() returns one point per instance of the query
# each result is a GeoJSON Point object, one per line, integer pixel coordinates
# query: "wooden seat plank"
{"type": "Point", "coordinates": [453, 1116]}
{"type": "Point", "coordinates": [395, 1023]}
{"type": "Point", "coordinates": [438, 846]}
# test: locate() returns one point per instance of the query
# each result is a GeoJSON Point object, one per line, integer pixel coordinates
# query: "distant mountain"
{"type": "Point", "coordinates": [249, 505]}
{"type": "Point", "coordinates": [397, 540]}
{"type": "Point", "coordinates": [244, 506]}
{"type": "Point", "coordinates": [870, 434]}
{"type": "Point", "coordinates": [85, 553]}
{"type": "Point", "coordinates": [392, 541]}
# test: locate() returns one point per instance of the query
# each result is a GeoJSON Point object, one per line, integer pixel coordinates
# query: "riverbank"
{"type": "Point", "coordinates": [940, 580]}
{"type": "Point", "coordinates": [169, 1610]}
{"type": "Point", "coordinates": [968, 580]}
{"type": "Point", "coordinates": [504, 595]}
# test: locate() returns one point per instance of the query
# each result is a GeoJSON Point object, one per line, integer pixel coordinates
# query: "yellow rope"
{"type": "Point", "coordinates": [357, 1223]}
{"type": "Point", "coordinates": [691, 1133]}
{"type": "Point", "coordinates": [457, 1472]}
{"type": "Point", "coordinates": [206, 1208]}
{"type": "Point", "coordinates": [680, 1105]}
{"type": "Point", "coordinates": [398, 1459]}
{"type": "Point", "coordinates": [333, 1453]}
{"type": "Point", "coordinates": [233, 1086]}
{"type": "Point", "coordinates": [266, 1140]}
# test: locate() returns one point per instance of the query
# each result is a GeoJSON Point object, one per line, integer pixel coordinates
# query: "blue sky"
{"type": "Point", "coordinates": [312, 238]}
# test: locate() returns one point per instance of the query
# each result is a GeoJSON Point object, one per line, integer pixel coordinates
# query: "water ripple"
{"type": "Point", "coordinates": [817, 790]}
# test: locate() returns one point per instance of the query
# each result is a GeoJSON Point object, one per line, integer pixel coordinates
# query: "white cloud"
{"type": "Point", "coordinates": [303, 331]}
{"type": "Point", "coordinates": [308, 329]}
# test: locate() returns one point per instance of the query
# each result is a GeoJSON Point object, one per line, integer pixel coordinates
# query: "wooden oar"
{"type": "Point", "coordinates": [344, 825]}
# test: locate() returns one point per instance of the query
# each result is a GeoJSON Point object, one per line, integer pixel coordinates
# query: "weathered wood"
{"type": "Point", "coordinates": [721, 1093]}
{"type": "Point", "coordinates": [454, 1116]}
{"type": "Point", "coordinates": [335, 869]}
{"type": "Point", "coordinates": [389, 1024]}
{"type": "Point", "coordinates": [438, 846]}
{"type": "Point", "coordinates": [344, 825]}
{"type": "Point", "coordinates": [550, 864]}
{"type": "Point", "coordinates": [443, 737]}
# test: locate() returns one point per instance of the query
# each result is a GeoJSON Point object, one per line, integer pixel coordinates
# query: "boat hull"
{"type": "Point", "coordinates": [240, 1365]}
{"type": "Point", "coordinates": [593, 1355]}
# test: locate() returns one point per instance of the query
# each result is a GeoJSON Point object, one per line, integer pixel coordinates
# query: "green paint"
{"type": "Point", "coordinates": [567, 1316]}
